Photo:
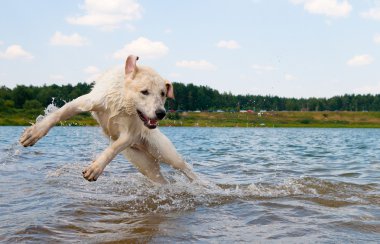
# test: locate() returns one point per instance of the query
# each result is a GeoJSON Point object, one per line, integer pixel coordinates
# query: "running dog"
{"type": "Point", "coordinates": [127, 103]}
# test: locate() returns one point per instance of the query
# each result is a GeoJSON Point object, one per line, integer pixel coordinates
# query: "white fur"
{"type": "Point", "coordinates": [113, 102]}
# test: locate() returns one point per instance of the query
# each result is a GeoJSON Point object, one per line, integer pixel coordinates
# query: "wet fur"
{"type": "Point", "coordinates": [113, 102]}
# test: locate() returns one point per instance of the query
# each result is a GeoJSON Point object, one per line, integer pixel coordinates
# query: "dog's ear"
{"type": "Point", "coordinates": [169, 89]}
{"type": "Point", "coordinates": [130, 65]}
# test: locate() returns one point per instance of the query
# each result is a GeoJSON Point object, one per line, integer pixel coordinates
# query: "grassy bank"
{"type": "Point", "coordinates": [280, 119]}
{"type": "Point", "coordinates": [26, 117]}
{"type": "Point", "coordinates": [205, 119]}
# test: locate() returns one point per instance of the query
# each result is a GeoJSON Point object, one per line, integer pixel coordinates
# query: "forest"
{"type": "Point", "coordinates": [190, 97]}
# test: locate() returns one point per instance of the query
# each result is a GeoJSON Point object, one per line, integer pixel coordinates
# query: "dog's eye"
{"type": "Point", "coordinates": [145, 92]}
{"type": "Point", "coordinates": [162, 94]}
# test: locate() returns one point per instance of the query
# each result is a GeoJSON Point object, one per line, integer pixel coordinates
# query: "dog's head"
{"type": "Point", "coordinates": [148, 91]}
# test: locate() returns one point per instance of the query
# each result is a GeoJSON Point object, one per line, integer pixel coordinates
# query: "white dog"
{"type": "Point", "coordinates": [127, 105]}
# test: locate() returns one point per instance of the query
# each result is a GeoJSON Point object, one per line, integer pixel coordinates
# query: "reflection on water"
{"type": "Point", "coordinates": [297, 185]}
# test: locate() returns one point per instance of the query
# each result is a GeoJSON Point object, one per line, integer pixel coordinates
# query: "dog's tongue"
{"type": "Point", "coordinates": [152, 121]}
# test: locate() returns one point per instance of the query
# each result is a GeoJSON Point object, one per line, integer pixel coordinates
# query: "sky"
{"type": "Point", "coordinates": [287, 48]}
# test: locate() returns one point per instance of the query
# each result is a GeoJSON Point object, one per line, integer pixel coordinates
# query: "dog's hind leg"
{"type": "Point", "coordinates": [146, 164]}
{"type": "Point", "coordinates": [163, 149]}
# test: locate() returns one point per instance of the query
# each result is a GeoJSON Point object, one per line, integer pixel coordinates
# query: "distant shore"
{"type": "Point", "coordinates": [323, 119]}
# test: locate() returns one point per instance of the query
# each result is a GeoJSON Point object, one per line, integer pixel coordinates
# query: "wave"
{"type": "Point", "coordinates": [126, 206]}
{"type": "Point", "coordinates": [132, 192]}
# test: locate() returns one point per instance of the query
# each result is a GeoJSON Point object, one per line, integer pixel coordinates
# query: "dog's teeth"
{"type": "Point", "coordinates": [152, 122]}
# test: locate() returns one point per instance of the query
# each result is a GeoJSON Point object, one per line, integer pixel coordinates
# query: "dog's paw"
{"type": "Point", "coordinates": [32, 134]}
{"type": "Point", "coordinates": [92, 172]}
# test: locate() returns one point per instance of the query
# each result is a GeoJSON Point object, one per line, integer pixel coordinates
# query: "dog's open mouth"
{"type": "Point", "coordinates": [150, 123]}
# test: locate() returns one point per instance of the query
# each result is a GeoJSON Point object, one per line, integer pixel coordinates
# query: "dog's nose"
{"type": "Point", "coordinates": [160, 113]}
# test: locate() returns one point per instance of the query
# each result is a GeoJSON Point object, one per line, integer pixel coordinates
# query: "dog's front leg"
{"type": "Point", "coordinates": [92, 172]}
{"type": "Point", "coordinates": [37, 131]}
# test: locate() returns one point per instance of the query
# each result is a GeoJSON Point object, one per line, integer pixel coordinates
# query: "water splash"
{"type": "Point", "coordinates": [133, 193]}
{"type": "Point", "coordinates": [48, 110]}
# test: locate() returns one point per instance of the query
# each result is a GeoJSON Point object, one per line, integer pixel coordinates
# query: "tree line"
{"type": "Point", "coordinates": [190, 97]}
{"type": "Point", "coordinates": [193, 97]}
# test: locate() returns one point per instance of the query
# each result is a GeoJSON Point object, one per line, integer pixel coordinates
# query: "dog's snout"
{"type": "Point", "coordinates": [160, 113]}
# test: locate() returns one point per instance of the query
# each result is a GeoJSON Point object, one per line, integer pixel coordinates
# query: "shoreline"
{"type": "Point", "coordinates": [271, 119]}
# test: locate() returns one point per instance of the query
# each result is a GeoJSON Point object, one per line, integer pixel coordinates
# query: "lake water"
{"type": "Point", "coordinates": [275, 185]}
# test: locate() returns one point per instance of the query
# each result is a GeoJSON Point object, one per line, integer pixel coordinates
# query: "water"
{"type": "Point", "coordinates": [275, 185]}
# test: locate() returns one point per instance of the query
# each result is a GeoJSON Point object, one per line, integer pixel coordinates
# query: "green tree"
{"type": "Point", "coordinates": [32, 104]}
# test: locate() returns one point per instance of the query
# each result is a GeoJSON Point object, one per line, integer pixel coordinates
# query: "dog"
{"type": "Point", "coordinates": [127, 103]}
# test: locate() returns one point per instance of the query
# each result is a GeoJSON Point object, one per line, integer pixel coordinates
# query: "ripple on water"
{"type": "Point", "coordinates": [286, 185]}
{"type": "Point", "coordinates": [133, 193]}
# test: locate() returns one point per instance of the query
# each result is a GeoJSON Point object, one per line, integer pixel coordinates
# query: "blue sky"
{"type": "Point", "coordinates": [291, 48]}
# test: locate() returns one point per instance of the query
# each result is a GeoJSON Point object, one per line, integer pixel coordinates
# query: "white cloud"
{"type": "Point", "coordinates": [231, 44]}
{"type": "Point", "coordinates": [360, 60]}
{"type": "Point", "coordinates": [107, 15]}
{"type": "Point", "coordinates": [59, 39]}
{"type": "Point", "coordinates": [263, 68]}
{"type": "Point", "coordinates": [200, 65]}
{"type": "Point", "coordinates": [144, 48]}
{"type": "Point", "coordinates": [376, 39]}
{"type": "Point", "coordinates": [332, 8]}
{"type": "Point", "coordinates": [373, 13]}
{"type": "Point", "coordinates": [1, 43]}
{"type": "Point", "coordinates": [289, 77]}
{"type": "Point", "coordinates": [15, 52]}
